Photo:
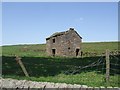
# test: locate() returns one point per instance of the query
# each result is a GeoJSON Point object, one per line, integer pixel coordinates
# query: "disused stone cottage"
{"type": "Point", "coordinates": [66, 43]}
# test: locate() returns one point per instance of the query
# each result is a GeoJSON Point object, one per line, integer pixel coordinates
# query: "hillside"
{"type": "Point", "coordinates": [39, 50]}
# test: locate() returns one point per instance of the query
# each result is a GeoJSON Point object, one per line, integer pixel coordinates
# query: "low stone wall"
{"type": "Point", "coordinates": [13, 83]}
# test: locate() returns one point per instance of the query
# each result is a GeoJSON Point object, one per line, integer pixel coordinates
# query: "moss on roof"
{"type": "Point", "coordinates": [55, 34]}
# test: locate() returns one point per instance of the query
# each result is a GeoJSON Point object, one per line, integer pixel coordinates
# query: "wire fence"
{"type": "Point", "coordinates": [70, 66]}
{"type": "Point", "coordinates": [99, 62]}
{"type": "Point", "coordinates": [114, 65]}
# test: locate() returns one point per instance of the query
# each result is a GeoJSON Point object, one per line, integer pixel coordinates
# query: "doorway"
{"type": "Point", "coordinates": [77, 52]}
{"type": "Point", "coordinates": [53, 52]}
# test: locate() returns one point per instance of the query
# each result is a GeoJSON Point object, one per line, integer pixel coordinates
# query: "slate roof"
{"type": "Point", "coordinates": [62, 33]}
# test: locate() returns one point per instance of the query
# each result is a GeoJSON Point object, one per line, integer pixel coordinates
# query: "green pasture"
{"type": "Point", "coordinates": [60, 69]}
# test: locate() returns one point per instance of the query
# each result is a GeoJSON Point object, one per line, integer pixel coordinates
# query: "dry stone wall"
{"type": "Point", "coordinates": [13, 84]}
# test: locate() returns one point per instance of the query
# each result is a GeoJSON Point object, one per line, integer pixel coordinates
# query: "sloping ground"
{"type": "Point", "coordinates": [13, 83]}
{"type": "Point", "coordinates": [39, 50]}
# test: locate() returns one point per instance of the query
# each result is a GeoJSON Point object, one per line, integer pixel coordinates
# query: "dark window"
{"type": "Point", "coordinates": [53, 52]}
{"type": "Point", "coordinates": [68, 47]}
{"type": "Point", "coordinates": [77, 52]}
{"type": "Point", "coordinates": [53, 40]}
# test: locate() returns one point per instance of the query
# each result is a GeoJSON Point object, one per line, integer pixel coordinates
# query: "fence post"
{"type": "Point", "coordinates": [18, 59]}
{"type": "Point", "coordinates": [107, 66]}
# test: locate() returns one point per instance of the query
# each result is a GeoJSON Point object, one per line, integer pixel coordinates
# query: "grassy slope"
{"type": "Point", "coordinates": [44, 68]}
{"type": "Point", "coordinates": [39, 50]}
{"type": "Point", "coordinates": [24, 50]}
{"type": "Point", "coordinates": [100, 47]}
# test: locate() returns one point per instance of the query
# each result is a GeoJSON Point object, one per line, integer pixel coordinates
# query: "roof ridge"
{"type": "Point", "coordinates": [61, 33]}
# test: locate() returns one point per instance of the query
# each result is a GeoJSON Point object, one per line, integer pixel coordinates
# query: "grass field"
{"type": "Point", "coordinates": [53, 69]}
{"type": "Point", "coordinates": [39, 49]}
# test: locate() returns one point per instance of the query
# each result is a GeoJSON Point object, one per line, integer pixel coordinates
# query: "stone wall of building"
{"type": "Point", "coordinates": [68, 44]}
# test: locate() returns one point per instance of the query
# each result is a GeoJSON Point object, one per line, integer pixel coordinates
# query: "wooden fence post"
{"type": "Point", "coordinates": [107, 66]}
{"type": "Point", "coordinates": [18, 59]}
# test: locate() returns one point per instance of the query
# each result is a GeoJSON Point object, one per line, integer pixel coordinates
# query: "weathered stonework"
{"type": "Point", "coordinates": [13, 84]}
{"type": "Point", "coordinates": [66, 43]}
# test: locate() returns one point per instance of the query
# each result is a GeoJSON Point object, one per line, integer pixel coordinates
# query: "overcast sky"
{"type": "Point", "coordinates": [32, 22]}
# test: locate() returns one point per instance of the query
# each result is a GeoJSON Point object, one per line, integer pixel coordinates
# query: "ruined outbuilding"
{"type": "Point", "coordinates": [67, 43]}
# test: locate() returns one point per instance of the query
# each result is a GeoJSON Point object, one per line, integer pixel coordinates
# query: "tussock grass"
{"type": "Point", "coordinates": [52, 69]}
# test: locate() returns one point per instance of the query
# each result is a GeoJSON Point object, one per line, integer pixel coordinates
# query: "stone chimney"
{"type": "Point", "coordinates": [71, 28]}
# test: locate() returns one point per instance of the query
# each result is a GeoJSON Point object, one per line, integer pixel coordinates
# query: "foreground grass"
{"type": "Point", "coordinates": [44, 68]}
{"type": "Point", "coordinates": [53, 70]}
{"type": "Point", "coordinates": [86, 78]}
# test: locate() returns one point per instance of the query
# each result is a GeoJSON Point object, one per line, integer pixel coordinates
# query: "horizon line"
{"type": "Point", "coordinates": [45, 43]}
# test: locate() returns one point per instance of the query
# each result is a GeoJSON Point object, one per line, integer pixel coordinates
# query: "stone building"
{"type": "Point", "coordinates": [66, 43]}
